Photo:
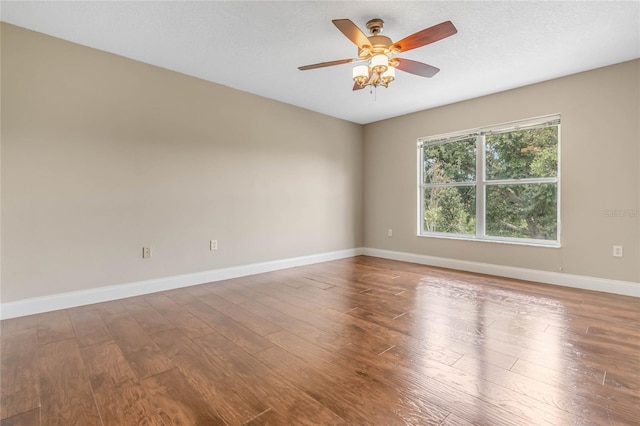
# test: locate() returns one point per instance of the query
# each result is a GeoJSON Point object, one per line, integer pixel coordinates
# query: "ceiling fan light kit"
{"type": "Point", "coordinates": [379, 63]}
{"type": "Point", "coordinates": [379, 51]}
{"type": "Point", "coordinates": [388, 76]}
{"type": "Point", "coordinates": [360, 74]}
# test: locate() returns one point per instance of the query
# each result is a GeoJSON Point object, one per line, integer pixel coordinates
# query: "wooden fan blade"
{"type": "Point", "coordinates": [417, 68]}
{"type": "Point", "coordinates": [356, 86]}
{"type": "Point", "coordinates": [352, 32]}
{"type": "Point", "coordinates": [326, 64]}
{"type": "Point", "coordinates": [427, 36]}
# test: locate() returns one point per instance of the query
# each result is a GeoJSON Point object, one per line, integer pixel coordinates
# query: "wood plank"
{"type": "Point", "coordinates": [119, 396]}
{"type": "Point", "coordinates": [188, 323]}
{"type": "Point", "coordinates": [149, 319]}
{"type": "Point", "coordinates": [197, 291]}
{"type": "Point", "coordinates": [355, 384]}
{"type": "Point", "coordinates": [210, 378]}
{"type": "Point", "coordinates": [291, 405]}
{"type": "Point", "coordinates": [30, 418]}
{"type": "Point", "coordinates": [53, 326]}
{"type": "Point", "coordinates": [237, 333]}
{"type": "Point", "coordinates": [144, 357]}
{"type": "Point", "coordinates": [19, 324]}
{"type": "Point", "coordinates": [467, 396]}
{"type": "Point", "coordinates": [88, 327]}
{"type": "Point", "coordinates": [66, 393]}
{"type": "Point", "coordinates": [574, 401]}
{"type": "Point", "coordinates": [509, 346]}
{"type": "Point", "coordinates": [376, 337]}
{"type": "Point", "coordinates": [297, 327]}
{"type": "Point", "coordinates": [444, 386]}
{"type": "Point", "coordinates": [240, 315]}
{"type": "Point", "coordinates": [324, 388]}
{"type": "Point", "coordinates": [453, 420]}
{"type": "Point", "coordinates": [20, 378]}
{"type": "Point", "coordinates": [230, 290]}
{"type": "Point", "coordinates": [269, 417]}
{"type": "Point", "coordinates": [180, 403]}
{"type": "Point", "coordinates": [180, 296]}
{"type": "Point", "coordinates": [301, 310]}
{"type": "Point", "coordinates": [112, 310]}
{"type": "Point", "coordinates": [312, 282]}
{"type": "Point", "coordinates": [611, 387]}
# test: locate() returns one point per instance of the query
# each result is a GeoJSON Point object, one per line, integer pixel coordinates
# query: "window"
{"type": "Point", "coordinates": [498, 183]}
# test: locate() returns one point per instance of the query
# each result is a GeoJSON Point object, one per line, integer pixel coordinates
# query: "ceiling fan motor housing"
{"type": "Point", "coordinates": [379, 45]}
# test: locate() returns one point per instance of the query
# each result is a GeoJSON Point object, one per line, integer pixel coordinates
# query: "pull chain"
{"type": "Point", "coordinates": [373, 90]}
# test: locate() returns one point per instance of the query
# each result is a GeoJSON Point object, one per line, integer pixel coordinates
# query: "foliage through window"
{"type": "Point", "coordinates": [495, 183]}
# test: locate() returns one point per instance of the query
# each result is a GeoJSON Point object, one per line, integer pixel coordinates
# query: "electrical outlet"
{"type": "Point", "coordinates": [617, 251]}
{"type": "Point", "coordinates": [213, 245]}
{"type": "Point", "coordinates": [146, 252]}
{"type": "Point", "coordinates": [390, 233]}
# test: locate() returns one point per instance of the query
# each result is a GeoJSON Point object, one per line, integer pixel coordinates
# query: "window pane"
{"type": "Point", "coordinates": [522, 154]}
{"type": "Point", "coordinates": [450, 162]}
{"type": "Point", "coordinates": [450, 209]}
{"type": "Point", "coordinates": [522, 211]}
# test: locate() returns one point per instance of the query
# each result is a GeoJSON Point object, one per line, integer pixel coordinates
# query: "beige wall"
{"type": "Point", "coordinates": [600, 166]}
{"type": "Point", "coordinates": [102, 155]}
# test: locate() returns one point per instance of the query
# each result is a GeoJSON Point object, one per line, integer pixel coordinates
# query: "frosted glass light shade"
{"type": "Point", "coordinates": [379, 63]}
{"type": "Point", "coordinates": [389, 75]}
{"type": "Point", "coordinates": [361, 71]}
{"type": "Point", "coordinates": [360, 74]}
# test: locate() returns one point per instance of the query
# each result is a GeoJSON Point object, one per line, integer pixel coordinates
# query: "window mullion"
{"type": "Point", "coordinates": [420, 197]}
{"type": "Point", "coordinates": [480, 186]}
{"type": "Point", "coordinates": [521, 181]}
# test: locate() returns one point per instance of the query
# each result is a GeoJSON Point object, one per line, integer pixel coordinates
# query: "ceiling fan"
{"type": "Point", "coordinates": [379, 51]}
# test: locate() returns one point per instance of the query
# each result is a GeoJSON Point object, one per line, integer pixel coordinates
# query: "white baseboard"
{"type": "Point", "coordinates": [72, 299]}
{"type": "Point", "coordinates": [55, 302]}
{"type": "Point", "coordinates": [625, 288]}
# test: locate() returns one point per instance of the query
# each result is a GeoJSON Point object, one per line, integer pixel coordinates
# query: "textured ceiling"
{"type": "Point", "coordinates": [257, 46]}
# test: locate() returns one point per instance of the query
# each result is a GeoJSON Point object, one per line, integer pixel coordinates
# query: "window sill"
{"type": "Point", "coordinates": [498, 240]}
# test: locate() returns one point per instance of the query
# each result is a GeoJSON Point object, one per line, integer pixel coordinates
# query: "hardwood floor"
{"type": "Point", "coordinates": [360, 341]}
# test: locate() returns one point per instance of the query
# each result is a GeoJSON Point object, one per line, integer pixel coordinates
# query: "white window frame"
{"type": "Point", "coordinates": [481, 182]}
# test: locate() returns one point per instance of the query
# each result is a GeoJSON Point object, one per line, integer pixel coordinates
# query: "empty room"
{"type": "Point", "coordinates": [320, 213]}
